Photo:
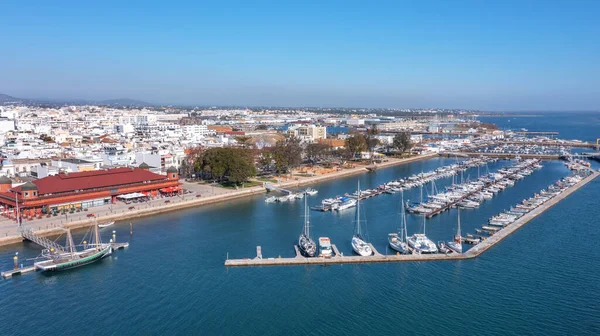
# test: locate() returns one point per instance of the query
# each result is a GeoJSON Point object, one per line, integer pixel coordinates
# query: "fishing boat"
{"type": "Point", "coordinates": [311, 191]}
{"type": "Point", "coordinates": [358, 244]}
{"type": "Point", "coordinates": [420, 243]}
{"type": "Point", "coordinates": [397, 241]}
{"type": "Point", "coordinates": [307, 246]}
{"type": "Point", "coordinates": [72, 258]}
{"type": "Point", "coordinates": [456, 245]}
{"type": "Point", "coordinates": [102, 226]}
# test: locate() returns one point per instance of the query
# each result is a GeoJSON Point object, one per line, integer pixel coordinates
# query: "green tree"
{"type": "Point", "coordinates": [244, 140]}
{"type": "Point", "coordinates": [356, 143]}
{"type": "Point", "coordinates": [287, 154]}
{"type": "Point", "coordinates": [265, 160]}
{"type": "Point", "coordinates": [235, 164]}
{"type": "Point", "coordinates": [316, 151]}
{"type": "Point", "coordinates": [402, 142]}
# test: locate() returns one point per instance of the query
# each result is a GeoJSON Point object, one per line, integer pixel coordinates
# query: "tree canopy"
{"type": "Point", "coordinates": [402, 142]}
{"type": "Point", "coordinates": [356, 143]}
{"type": "Point", "coordinates": [235, 164]}
{"type": "Point", "coordinates": [287, 154]}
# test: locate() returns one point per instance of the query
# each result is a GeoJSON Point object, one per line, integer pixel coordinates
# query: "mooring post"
{"type": "Point", "coordinates": [114, 236]}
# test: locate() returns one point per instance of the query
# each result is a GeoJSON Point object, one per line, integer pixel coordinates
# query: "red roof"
{"type": "Point", "coordinates": [93, 179]}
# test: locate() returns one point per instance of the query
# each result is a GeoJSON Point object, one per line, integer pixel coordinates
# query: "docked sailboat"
{"type": "Point", "coordinates": [59, 261]}
{"type": "Point", "coordinates": [358, 243]}
{"type": "Point", "coordinates": [456, 245]}
{"type": "Point", "coordinates": [397, 241]}
{"type": "Point", "coordinates": [307, 246]}
{"type": "Point", "coordinates": [420, 243]}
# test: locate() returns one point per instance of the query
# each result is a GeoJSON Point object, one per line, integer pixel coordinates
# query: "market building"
{"type": "Point", "coordinates": [79, 191]}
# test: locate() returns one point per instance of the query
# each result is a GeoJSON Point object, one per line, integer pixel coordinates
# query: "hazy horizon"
{"type": "Point", "coordinates": [491, 56]}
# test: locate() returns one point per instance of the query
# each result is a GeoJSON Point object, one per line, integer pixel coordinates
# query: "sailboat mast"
{"type": "Point", "coordinates": [306, 218]}
{"type": "Point", "coordinates": [70, 243]}
{"type": "Point", "coordinates": [96, 235]}
{"type": "Point", "coordinates": [358, 211]}
{"type": "Point", "coordinates": [423, 224]}
{"type": "Point", "coordinates": [403, 232]}
{"type": "Point", "coordinates": [458, 230]}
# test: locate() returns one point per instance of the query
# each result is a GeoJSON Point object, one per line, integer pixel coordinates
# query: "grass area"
{"type": "Point", "coordinates": [267, 179]}
{"type": "Point", "coordinates": [247, 184]}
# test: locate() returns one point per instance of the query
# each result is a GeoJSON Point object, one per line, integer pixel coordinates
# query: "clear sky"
{"type": "Point", "coordinates": [487, 54]}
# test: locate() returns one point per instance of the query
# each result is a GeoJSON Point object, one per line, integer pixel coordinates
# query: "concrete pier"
{"type": "Point", "coordinates": [472, 253]}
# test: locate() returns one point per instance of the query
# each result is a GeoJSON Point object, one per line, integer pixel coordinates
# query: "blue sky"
{"type": "Point", "coordinates": [490, 55]}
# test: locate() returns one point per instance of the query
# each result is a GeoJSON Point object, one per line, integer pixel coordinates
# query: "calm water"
{"type": "Point", "coordinates": [545, 278]}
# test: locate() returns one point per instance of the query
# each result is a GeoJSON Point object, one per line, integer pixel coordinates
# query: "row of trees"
{"type": "Point", "coordinates": [362, 142]}
{"type": "Point", "coordinates": [237, 164]}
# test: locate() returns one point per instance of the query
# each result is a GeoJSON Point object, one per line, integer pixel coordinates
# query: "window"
{"type": "Point", "coordinates": [26, 194]}
{"type": "Point", "coordinates": [173, 175]}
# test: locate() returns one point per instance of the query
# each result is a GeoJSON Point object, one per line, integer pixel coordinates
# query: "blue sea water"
{"type": "Point", "coordinates": [543, 279]}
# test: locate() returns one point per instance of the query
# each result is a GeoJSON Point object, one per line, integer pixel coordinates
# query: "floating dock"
{"type": "Point", "coordinates": [377, 258]}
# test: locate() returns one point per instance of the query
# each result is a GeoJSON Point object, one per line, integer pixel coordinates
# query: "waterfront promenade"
{"type": "Point", "coordinates": [209, 195]}
{"type": "Point", "coordinates": [378, 258]}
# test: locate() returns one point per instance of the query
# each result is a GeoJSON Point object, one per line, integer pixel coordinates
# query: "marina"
{"type": "Point", "coordinates": [379, 258]}
{"type": "Point", "coordinates": [391, 187]}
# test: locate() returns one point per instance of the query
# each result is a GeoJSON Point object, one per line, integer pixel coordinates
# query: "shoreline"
{"type": "Point", "coordinates": [185, 204]}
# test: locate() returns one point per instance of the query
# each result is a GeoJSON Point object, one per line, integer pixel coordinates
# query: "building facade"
{"type": "Point", "coordinates": [76, 191]}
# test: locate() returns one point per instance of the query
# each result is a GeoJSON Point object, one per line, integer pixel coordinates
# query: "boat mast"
{"type": "Point", "coordinates": [358, 211]}
{"type": "Point", "coordinates": [423, 224]}
{"type": "Point", "coordinates": [306, 218]}
{"type": "Point", "coordinates": [458, 230]}
{"type": "Point", "coordinates": [70, 243]}
{"type": "Point", "coordinates": [403, 232]}
{"type": "Point", "coordinates": [96, 234]}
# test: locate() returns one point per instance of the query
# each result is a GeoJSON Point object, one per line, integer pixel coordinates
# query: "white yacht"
{"type": "Point", "coordinates": [325, 249]}
{"type": "Point", "coordinates": [358, 244]}
{"type": "Point", "coordinates": [349, 203]}
{"type": "Point", "coordinates": [311, 191]}
{"type": "Point", "coordinates": [420, 243]}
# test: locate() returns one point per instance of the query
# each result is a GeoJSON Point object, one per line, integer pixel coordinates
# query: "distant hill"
{"type": "Point", "coordinates": [6, 99]}
{"type": "Point", "coordinates": [9, 99]}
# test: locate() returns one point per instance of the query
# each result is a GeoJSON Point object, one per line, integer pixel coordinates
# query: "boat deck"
{"type": "Point", "coordinates": [377, 257]}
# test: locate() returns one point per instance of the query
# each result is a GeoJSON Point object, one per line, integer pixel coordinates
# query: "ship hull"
{"type": "Point", "coordinates": [48, 266]}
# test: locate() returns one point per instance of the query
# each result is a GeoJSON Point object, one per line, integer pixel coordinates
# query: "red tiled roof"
{"type": "Point", "coordinates": [93, 179]}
